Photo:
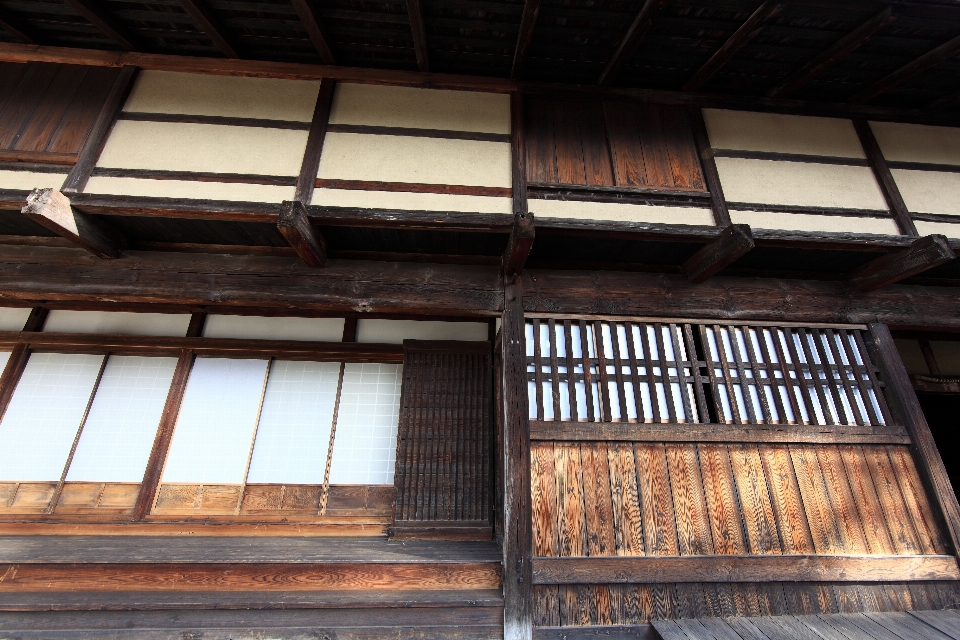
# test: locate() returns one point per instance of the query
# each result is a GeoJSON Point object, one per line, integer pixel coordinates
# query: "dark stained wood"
{"type": "Point", "coordinates": [443, 134]}
{"type": "Point", "coordinates": [80, 117]}
{"type": "Point", "coordinates": [519, 244]}
{"type": "Point", "coordinates": [419, 33]}
{"type": "Point", "coordinates": [318, 133]}
{"type": "Point", "coordinates": [195, 176]}
{"type": "Point", "coordinates": [209, 25]}
{"type": "Point", "coordinates": [744, 568]}
{"type": "Point", "coordinates": [888, 186]}
{"type": "Point", "coordinates": [926, 253]}
{"type": "Point", "coordinates": [910, 70]}
{"type": "Point", "coordinates": [18, 358]}
{"type": "Point", "coordinates": [77, 178]}
{"type": "Point", "coordinates": [52, 209]}
{"type": "Point", "coordinates": [630, 41]}
{"type": "Point", "coordinates": [413, 187]}
{"type": "Point", "coordinates": [106, 22]}
{"type": "Point", "coordinates": [837, 52]}
{"type": "Point", "coordinates": [14, 26]}
{"type": "Point", "coordinates": [295, 226]}
{"type": "Point", "coordinates": [734, 242]}
{"type": "Point", "coordinates": [587, 632]}
{"type": "Point", "coordinates": [528, 23]}
{"type": "Point", "coordinates": [308, 15]}
{"type": "Point", "coordinates": [227, 121]}
{"type": "Point", "coordinates": [709, 166]}
{"type": "Point", "coordinates": [742, 36]}
{"type": "Point", "coordinates": [523, 232]}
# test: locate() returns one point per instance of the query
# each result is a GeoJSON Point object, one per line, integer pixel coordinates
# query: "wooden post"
{"type": "Point", "coordinates": [52, 209]}
{"type": "Point", "coordinates": [721, 216]}
{"type": "Point", "coordinates": [881, 171]}
{"type": "Point", "coordinates": [523, 233]}
{"type": "Point", "coordinates": [517, 524]}
{"type": "Point", "coordinates": [905, 407]}
{"type": "Point", "coordinates": [307, 179]}
{"type": "Point", "coordinates": [18, 359]}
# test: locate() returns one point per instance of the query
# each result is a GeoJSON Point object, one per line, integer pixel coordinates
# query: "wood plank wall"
{"type": "Point", "coordinates": [443, 476]}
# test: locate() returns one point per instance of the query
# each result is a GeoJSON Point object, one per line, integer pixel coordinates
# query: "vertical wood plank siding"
{"type": "Point", "coordinates": [443, 471]}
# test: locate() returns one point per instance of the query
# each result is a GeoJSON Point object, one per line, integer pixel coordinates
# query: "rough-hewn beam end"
{"type": "Point", "coordinates": [295, 226]}
{"type": "Point", "coordinates": [925, 253]}
{"type": "Point", "coordinates": [734, 241]}
{"type": "Point", "coordinates": [519, 244]}
{"type": "Point", "coordinates": [52, 209]}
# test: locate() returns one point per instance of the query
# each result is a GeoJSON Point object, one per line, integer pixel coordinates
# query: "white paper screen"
{"type": "Point", "coordinates": [217, 417]}
{"type": "Point", "coordinates": [366, 441]}
{"type": "Point", "coordinates": [44, 415]}
{"type": "Point", "coordinates": [117, 438]}
{"type": "Point", "coordinates": [294, 431]}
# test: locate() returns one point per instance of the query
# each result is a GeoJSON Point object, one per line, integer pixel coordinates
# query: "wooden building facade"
{"type": "Point", "coordinates": [479, 319]}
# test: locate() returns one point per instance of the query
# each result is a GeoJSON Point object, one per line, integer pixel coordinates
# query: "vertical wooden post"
{"type": "Point", "coordinates": [721, 216]}
{"type": "Point", "coordinates": [905, 407]}
{"type": "Point", "coordinates": [881, 171]}
{"type": "Point", "coordinates": [517, 524]}
{"type": "Point", "coordinates": [318, 133]}
{"type": "Point", "coordinates": [18, 359]}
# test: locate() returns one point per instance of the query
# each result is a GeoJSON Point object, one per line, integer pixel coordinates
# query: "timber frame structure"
{"type": "Point", "coordinates": [618, 319]}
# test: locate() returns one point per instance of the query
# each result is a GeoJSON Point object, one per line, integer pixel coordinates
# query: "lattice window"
{"type": "Point", "coordinates": [674, 372]}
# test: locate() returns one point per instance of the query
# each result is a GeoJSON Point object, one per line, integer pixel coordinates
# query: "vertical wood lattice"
{"type": "Point", "coordinates": [443, 476]}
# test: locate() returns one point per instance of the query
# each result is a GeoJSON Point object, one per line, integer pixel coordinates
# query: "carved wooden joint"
{"type": "Point", "coordinates": [519, 244]}
{"type": "Point", "coordinates": [925, 253]}
{"type": "Point", "coordinates": [295, 226]}
{"type": "Point", "coordinates": [52, 209]}
{"type": "Point", "coordinates": [734, 241]}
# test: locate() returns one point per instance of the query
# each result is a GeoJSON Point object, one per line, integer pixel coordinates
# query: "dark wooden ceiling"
{"type": "Point", "coordinates": [745, 48]}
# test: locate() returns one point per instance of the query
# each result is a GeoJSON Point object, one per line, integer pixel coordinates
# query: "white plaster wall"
{"type": "Point", "coordinates": [411, 201]}
{"type": "Point", "coordinates": [774, 132]}
{"type": "Point", "coordinates": [189, 189]}
{"type": "Point", "coordinates": [270, 328]}
{"type": "Point", "coordinates": [117, 322]}
{"type": "Point", "coordinates": [385, 106]}
{"type": "Point", "coordinates": [396, 331]}
{"type": "Point", "coordinates": [929, 191]}
{"type": "Point", "coordinates": [351, 156]}
{"type": "Point", "coordinates": [808, 222]}
{"type": "Point", "coordinates": [799, 183]}
{"type": "Point", "coordinates": [175, 146]}
{"type": "Point", "coordinates": [617, 212]}
{"type": "Point", "coordinates": [29, 180]}
{"type": "Point", "coordinates": [229, 96]}
{"type": "Point", "coordinates": [13, 318]}
{"type": "Point", "coordinates": [925, 228]}
{"type": "Point", "coordinates": [918, 142]}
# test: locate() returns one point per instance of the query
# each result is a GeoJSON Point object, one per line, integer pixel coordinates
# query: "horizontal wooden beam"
{"type": "Point", "coordinates": [51, 209]}
{"type": "Point", "coordinates": [924, 254]}
{"type": "Point", "coordinates": [519, 244]}
{"type": "Point", "coordinates": [734, 242]}
{"type": "Point", "coordinates": [592, 632]}
{"type": "Point", "coordinates": [687, 432]}
{"type": "Point", "coordinates": [935, 384]}
{"type": "Point", "coordinates": [744, 568]}
{"type": "Point", "coordinates": [296, 227]}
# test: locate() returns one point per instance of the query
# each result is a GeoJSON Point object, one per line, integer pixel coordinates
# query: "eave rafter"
{"type": "Point", "coordinates": [108, 24]}
{"type": "Point", "coordinates": [308, 16]}
{"type": "Point", "coordinates": [419, 34]}
{"type": "Point", "coordinates": [631, 40]}
{"type": "Point", "coordinates": [935, 56]}
{"type": "Point", "coordinates": [209, 25]}
{"type": "Point", "coordinates": [527, 24]}
{"type": "Point", "coordinates": [15, 27]}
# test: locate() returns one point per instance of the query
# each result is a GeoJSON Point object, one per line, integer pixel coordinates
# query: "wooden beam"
{"type": "Point", "coordinates": [643, 631]}
{"type": "Point", "coordinates": [932, 365]}
{"type": "Point", "coordinates": [881, 171]}
{"type": "Point", "coordinates": [734, 242]}
{"type": "Point", "coordinates": [834, 54]}
{"type": "Point", "coordinates": [718, 203]}
{"type": "Point", "coordinates": [295, 226]}
{"type": "Point", "coordinates": [519, 245]}
{"type": "Point", "coordinates": [747, 32]}
{"type": "Point", "coordinates": [910, 70]}
{"type": "Point", "coordinates": [307, 179]}
{"type": "Point", "coordinates": [18, 358]}
{"type": "Point", "coordinates": [52, 209]}
{"type": "Point", "coordinates": [308, 16]}
{"type": "Point", "coordinates": [925, 253]}
{"type": "Point", "coordinates": [100, 17]}
{"type": "Point", "coordinates": [523, 232]}
{"type": "Point", "coordinates": [630, 41]}
{"type": "Point", "coordinates": [15, 27]}
{"type": "Point", "coordinates": [77, 179]}
{"type": "Point", "coordinates": [744, 568]}
{"type": "Point", "coordinates": [419, 33]}
{"type": "Point", "coordinates": [528, 22]}
{"type": "Point", "coordinates": [209, 25]}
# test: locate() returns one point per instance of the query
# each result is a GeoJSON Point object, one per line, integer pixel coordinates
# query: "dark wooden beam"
{"type": "Point", "coordinates": [527, 24]}
{"type": "Point", "coordinates": [734, 242]}
{"type": "Point", "coordinates": [932, 366]}
{"type": "Point", "coordinates": [80, 173]}
{"type": "Point", "coordinates": [18, 358]}
{"type": "Point", "coordinates": [51, 209]}
{"type": "Point", "coordinates": [419, 33]}
{"type": "Point", "coordinates": [630, 41]}
{"type": "Point", "coordinates": [97, 14]}
{"type": "Point", "coordinates": [308, 16]}
{"type": "Point", "coordinates": [881, 171]}
{"type": "Point", "coordinates": [307, 179]}
{"type": "Point", "coordinates": [747, 32]}
{"type": "Point", "coordinates": [910, 70]}
{"type": "Point", "coordinates": [295, 226]}
{"type": "Point", "coordinates": [209, 25]}
{"type": "Point", "coordinates": [834, 54]}
{"type": "Point", "coordinates": [15, 27]}
{"type": "Point", "coordinates": [925, 253]}
{"type": "Point", "coordinates": [523, 232]}
{"type": "Point", "coordinates": [519, 244]}
{"type": "Point", "coordinates": [718, 203]}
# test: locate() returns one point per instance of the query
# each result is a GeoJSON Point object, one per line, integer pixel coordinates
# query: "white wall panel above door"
{"type": "Point", "coordinates": [406, 200]}
{"type": "Point", "coordinates": [122, 322]}
{"type": "Point", "coordinates": [918, 143]}
{"type": "Point", "coordinates": [779, 133]}
{"type": "Point", "coordinates": [270, 328]}
{"type": "Point", "coordinates": [396, 331]}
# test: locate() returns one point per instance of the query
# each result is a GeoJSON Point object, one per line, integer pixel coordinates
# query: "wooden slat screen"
{"type": "Point", "coordinates": [611, 144]}
{"type": "Point", "coordinates": [443, 476]}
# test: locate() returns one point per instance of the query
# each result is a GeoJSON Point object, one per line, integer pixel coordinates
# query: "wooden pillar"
{"type": "Point", "coordinates": [517, 525]}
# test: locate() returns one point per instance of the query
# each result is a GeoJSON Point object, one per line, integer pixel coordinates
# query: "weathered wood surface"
{"type": "Point", "coordinates": [295, 226]}
{"type": "Point", "coordinates": [307, 178]}
{"type": "Point", "coordinates": [926, 253]}
{"type": "Point", "coordinates": [734, 242]}
{"type": "Point", "coordinates": [51, 209]}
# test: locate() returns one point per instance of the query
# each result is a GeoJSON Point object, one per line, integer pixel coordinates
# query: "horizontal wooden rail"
{"type": "Point", "coordinates": [607, 632]}
{"type": "Point", "coordinates": [693, 432]}
{"type": "Point", "coordinates": [228, 347]}
{"type": "Point", "coordinates": [743, 568]}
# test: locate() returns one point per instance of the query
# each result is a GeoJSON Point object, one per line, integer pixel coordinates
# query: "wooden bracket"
{"type": "Point", "coordinates": [528, 22]}
{"type": "Point", "coordinates": [52, 209]}
{"type": "Point", "coordinates": [734, 241]}
{"type": "Point", "coordinates": [925, 253]}
{"type": "Point", "coordinates": [519, 244]}
{"type": "Point", "coordinates": [295, 226]}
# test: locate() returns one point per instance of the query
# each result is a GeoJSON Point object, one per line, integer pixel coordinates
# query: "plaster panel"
{"type": "Point", "coordinates": [351, 156]}
{"type": "Point", "coordinates": [176, 146]}
{"type": "Point", "coordinates": [411, 201]}
{"type": "Point", "coordinates": [117, 322]}
{"type": "Point", "coordinates": [774, 132]}
{"type": "Point", "coordinates": [271, 328]}
{"type": "Point", "coordinates": [618, 212]}
{"type": "Point", "coordinates": [189, 189]}
{"type": "Point", "coordinates": [799, 183]}
{"type": "Point", "coordinates": [929, 191]}
{"type": "Point", "coordinates": [918, 142]}
{"type": "Point", "coordinates": [808, 222]}
{"type": "Point", "coordinates": [386, 106]}
{"type": "Point", "coordinates": [30, 180]}
{"type": "Point", "coordinates": [396, 331]}
{"type": "Point", "coordinates": [925, 228]}
{"type": "Point", "coordinates": [229, 96]}
{"type": "Point", "coordinates": [13, 318]}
